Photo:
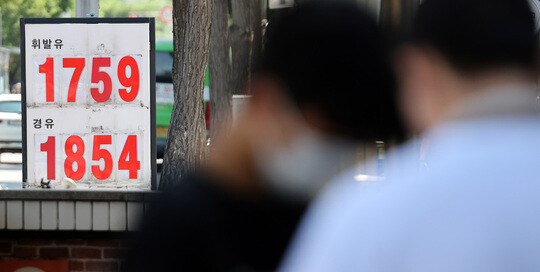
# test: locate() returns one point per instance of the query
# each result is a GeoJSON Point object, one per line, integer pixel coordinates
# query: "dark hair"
{"type": "Point", "coordinates": [330, 56]}
{"type": "Point", "coordinates": [475, 35]}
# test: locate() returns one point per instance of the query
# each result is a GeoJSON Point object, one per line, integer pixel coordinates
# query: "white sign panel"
{"type": "Point", "coordinates": [89, 102]}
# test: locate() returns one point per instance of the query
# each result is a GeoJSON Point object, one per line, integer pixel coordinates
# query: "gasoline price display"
{"type": "Point", "coordinates": [88, 102]}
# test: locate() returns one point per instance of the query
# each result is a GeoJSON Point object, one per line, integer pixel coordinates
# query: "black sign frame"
{"type": "Point", "coordinates": [142, 20]}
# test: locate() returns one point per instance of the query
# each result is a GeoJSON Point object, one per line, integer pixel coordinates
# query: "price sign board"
{"type": "Point", "coordinates": [89, 102]}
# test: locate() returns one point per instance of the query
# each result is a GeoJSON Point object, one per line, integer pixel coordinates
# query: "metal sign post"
{"type": "Point", "coordinates": [87, 8]}
{"type": "Point", "coordinates": [278, 4]}
{"type": "Point", "coordinates": [373, 6]}
{"type": "Point", "coordinates": [89, 102]}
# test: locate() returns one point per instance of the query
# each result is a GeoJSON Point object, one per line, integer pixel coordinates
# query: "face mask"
{"type": "Point", "coordinates": [300, 169]}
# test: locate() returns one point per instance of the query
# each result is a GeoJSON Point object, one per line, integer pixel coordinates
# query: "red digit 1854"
{"type": "Point", "coordinates": [75, 164]}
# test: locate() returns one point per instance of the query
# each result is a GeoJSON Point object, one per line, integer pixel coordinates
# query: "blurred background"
{"type": "Point", "coordinates": [394, 15]}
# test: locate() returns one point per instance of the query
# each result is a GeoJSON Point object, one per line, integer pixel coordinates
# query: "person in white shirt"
{"type": "Point", "coordinates": [468, 84]}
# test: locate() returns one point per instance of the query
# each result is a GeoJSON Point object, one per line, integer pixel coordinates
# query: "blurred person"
{"type": "Point", "coordinates": [467, 80]}
{"type": "Point", "coordinates": [16, 88]}
{"type": "Point", "coordinates": [323, 84]}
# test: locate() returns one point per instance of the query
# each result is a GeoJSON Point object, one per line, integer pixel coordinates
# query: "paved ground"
{"type": "Point", "coordinates": [11, 170]}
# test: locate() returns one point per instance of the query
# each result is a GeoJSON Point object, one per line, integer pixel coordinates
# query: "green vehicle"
{"type": "Point", "coordinates": [165, 93]}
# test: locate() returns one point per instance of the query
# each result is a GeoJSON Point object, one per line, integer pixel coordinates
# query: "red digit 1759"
{"type": "Point", "coordinates": [99, 95]}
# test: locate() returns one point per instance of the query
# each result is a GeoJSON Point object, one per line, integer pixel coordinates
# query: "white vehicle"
{"type": "Point", "coordinates": [10, 123]}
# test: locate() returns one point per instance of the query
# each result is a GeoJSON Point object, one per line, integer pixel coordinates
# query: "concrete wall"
{"type": "Point", "coordinates": [34, 210]}
{"type": "Point", "coordinates": [91, 229]}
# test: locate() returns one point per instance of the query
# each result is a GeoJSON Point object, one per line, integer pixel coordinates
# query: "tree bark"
{"type": "Point", "coordinates": [246, 40]}
{"type": "Point", "coordinates": [186, 140]}
{"type": "Point", "coordinates": [220, 71]}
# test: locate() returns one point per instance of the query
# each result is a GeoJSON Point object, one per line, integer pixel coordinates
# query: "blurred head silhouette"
{"type": "Point", "coordinates": [323, 83]}
{"type": "Point", "coordinates": [458, 47]}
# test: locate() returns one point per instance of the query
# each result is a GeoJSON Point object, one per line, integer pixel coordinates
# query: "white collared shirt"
{"type": "Point", "coordinates": [476, 209]}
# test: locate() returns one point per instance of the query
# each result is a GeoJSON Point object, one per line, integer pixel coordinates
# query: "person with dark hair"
{"type": "Point", "coordinates": [323, 84]}
{"type": "Point", "coordinates": [467, 78]}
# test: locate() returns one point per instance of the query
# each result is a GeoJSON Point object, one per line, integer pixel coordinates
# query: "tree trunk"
{"type": "Point", "coordinates": [186, 140]}
{"type": "Point", "coordinates": [246, 40]}
{"type": "Point", "coordinates": [220, 71]}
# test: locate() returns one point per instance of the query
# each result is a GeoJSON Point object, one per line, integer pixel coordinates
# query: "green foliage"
{"type": "Point", "coordinates": [141, 8]}
{"type": "Point", "coordinates": [12, 10]}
